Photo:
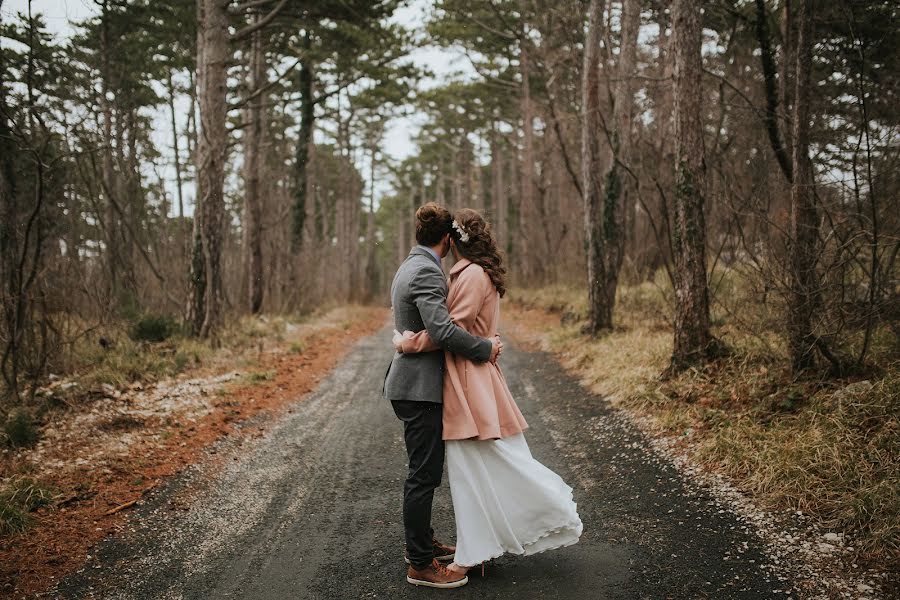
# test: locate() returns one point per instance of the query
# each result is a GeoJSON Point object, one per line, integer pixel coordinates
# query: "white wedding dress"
{"type": "Point", "coordinates": [506, 501]}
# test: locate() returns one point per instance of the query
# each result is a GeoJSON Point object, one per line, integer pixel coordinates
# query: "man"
{"type": "Point", "coordinates": [414, 385]}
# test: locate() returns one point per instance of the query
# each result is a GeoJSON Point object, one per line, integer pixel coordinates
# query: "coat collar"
{"type": "Point", "coordinates": [420, 251]}
{"type": "Point", "coordinates": [459, 266]}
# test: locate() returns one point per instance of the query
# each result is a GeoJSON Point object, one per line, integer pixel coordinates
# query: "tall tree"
{"type": "Point", "coordinates": [252, 226]}
{"type": "Point", "coordinates": [599, 315]}
{"type": "Point", "coordinates": [805, 284]}
{"type": "Point", "coordinates": [213, 52]}
{"type": "Point", "coordinates": [693, 340]}
{"type": "Point", "coordinates": [615, 192]}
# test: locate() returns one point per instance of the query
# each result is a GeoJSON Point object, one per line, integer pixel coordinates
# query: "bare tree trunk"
{"type": "Point", "coordinates": [197, 274]}
{"type": "Point", "coordinates": [355, 213]}
{"type": "Point", "coordinates": [177, 152]}
{"type": "Point", "coordinates": [10, 292]}
{"type": "Point", "coordinates": [503, 200]}
{"type": "Point", "coordinates": [252, 246]}
{"type": "Point", "coordinates": [109, 179]}
{"type": "Point", "coordinates": [403, 216]}
{"type": "Point", "coordinates": [788, 64]}
{"type": "Point", "coordinates": [192, 118]}
{"type": "Point", "coordinates": [660, 253]}
{"type": "Point", "coordinates": [528, 251]}
{"type": "Point", "coordinates": [178, 183]}
{"type": "Point", "coordinates": [371, 273]}
{"type": "Point", "coordinates": [197, 278]}
{"type": "Point", "coordinates": [491, 198]}
{"type": "Point", "coordinates": [599, 315]}
{"type": "Point", "coordinates": [439, 185]}
{"type": "Point", "coordinates": [767, 58]}
{"type": "Point", "coordinates": [183, 242]}
{"type": "Point", "coordinates": [804, 219]}
{"type": "Point", "coordinates": [304, 141]}
{"type": "Point", "coordinates": [693, 340]}
{"type": "Point", "coordinates": [617, 184]}
{"type": "Point", "coordinates": [211, 152]}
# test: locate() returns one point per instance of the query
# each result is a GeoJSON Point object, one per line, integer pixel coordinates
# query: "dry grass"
{"type": "Point", "coordinates": [830, 448]}
{"type": "Point", "coordinates": [18, 499]}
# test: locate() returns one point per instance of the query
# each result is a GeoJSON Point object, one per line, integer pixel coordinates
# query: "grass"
{"type": "Point", "coordinates": [259, 377]}
{"type": "Point", "coordinates": [19, 429]}
{"type": "Point", "coordinates": [830, 448]}
{"type": "Point", "coordinates": [18, 499]}
{"type": "Point", "coordinates": [127, 361]}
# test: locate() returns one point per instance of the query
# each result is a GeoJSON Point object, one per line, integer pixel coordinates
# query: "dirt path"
{"type": "Point", "coordinates": [311, 509]}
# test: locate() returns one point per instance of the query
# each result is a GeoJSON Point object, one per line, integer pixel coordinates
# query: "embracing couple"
{"type": "Point", "coordinates": [446, 387]}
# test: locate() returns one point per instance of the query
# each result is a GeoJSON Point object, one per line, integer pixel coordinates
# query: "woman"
{"type": "Point", "coordinates": [504, 500]}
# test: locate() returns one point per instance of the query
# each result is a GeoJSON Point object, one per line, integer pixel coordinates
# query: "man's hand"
{"type": "Point", "coordinates": [496, 348]}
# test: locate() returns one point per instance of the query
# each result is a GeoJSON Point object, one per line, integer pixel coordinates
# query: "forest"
{"type": "Point", "coordinates": [697, 200]}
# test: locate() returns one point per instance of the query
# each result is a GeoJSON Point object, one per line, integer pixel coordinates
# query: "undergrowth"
{"type": "Point", "coordinates": [19, 498]}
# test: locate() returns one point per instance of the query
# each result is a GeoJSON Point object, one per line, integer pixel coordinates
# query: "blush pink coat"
{"type": "Point", "coordinates": [477, 402]}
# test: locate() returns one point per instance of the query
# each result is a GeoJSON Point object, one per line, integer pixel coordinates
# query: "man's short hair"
{"type": "Point", "coordinates": [433, 222]}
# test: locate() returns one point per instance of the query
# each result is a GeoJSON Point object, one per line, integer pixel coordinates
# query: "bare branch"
{"type": "Point", "coordinates": [249, 29]}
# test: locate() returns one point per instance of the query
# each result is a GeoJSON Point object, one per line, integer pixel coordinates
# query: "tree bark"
{"type": "Point", "coordinates": [371, 272]}
{"type": "Point", "coordinates": [616, 184]}
{"type": "Point", "coordinates": [767, 58]}
{"type": "Point", "coordinates": [528, 235]}
{"type": "Point", "coordinates": [110, 181]}
{"type": "Point", "coordinates": [212, 144]}
{"type": "Point", "coordinates": [804, 217]}
{"type": "Point", "coordinates": [599, 315]}
{"type": "Point", "coordinates": [501, 195]}
{"type": "Point", "coordinates": [10, 298]}
{"type": "Point", "coordinates": [178, 183]}
{"type": "Point", "coordinates": [786, 82]}
{"type": "Point", "coordinates": [304, 140]}
{"type": "Point", "coordinates": [693, 340]}
{"type": "Point", "coordinates": [252, 246]}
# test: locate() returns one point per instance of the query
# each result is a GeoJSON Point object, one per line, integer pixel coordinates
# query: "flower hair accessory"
{"type": "Point", "coordinates": [463, 236]}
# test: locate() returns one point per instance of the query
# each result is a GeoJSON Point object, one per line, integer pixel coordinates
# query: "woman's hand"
{"type": "Point", "coordinates": [398, 339]}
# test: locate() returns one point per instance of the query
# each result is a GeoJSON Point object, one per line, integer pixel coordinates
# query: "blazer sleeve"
{"type": "Point", "coordinates": [427, 292]}
{"type": "Point", "coordinates": [466, 305]}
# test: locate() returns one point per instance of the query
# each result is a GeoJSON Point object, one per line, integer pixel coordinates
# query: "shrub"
{"type": "Point", "coordinates": [19, 428]}
{"type": "Point", "coordinates": [12, 519]}
{"type": "Point", "coordinates": [153, 328]}
{"type": "Point", "coordinates": [17, 499]}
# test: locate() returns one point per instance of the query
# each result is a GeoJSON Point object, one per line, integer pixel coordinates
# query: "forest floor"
{"type": "Point", "coordinates": [103, 448]}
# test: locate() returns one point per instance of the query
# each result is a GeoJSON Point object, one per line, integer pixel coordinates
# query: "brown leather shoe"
{"type": "Point", "coordinates": [435, 575]}
{"type": "Point", "coordinates": [441, 552]}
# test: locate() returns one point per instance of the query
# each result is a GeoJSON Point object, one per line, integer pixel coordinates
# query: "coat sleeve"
{"type": "Point", "coordinates": [417, 342]}
{"type": "Point", "coordinates": [427, 292]}
{"type": "Point", "coordinates": [471, 292]}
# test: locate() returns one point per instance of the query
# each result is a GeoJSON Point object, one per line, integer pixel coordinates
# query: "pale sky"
{"type": "Point", "coordinates": [398, 139]}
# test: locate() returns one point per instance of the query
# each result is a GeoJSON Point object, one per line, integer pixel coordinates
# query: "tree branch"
{"type": "Point", "coordinates": [249, 29]}
{"type": "Point", "coordinates": [769, 75]}
{"type": "Point", "coordinates": [240, 8]}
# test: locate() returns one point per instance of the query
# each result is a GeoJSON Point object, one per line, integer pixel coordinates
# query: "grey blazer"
{"type": "Point", "coordinates": [419, 300]}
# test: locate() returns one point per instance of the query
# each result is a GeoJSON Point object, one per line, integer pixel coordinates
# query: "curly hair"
{"type": "Point", "coordinates": [481, 247]}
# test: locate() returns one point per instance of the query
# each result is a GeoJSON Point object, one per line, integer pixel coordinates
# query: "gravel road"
{"type": "Point", "coordinates": [311, 509]}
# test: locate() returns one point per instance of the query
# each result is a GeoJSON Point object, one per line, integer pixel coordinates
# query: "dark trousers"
{"type": "Point", "coordinates": [423, 430]}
